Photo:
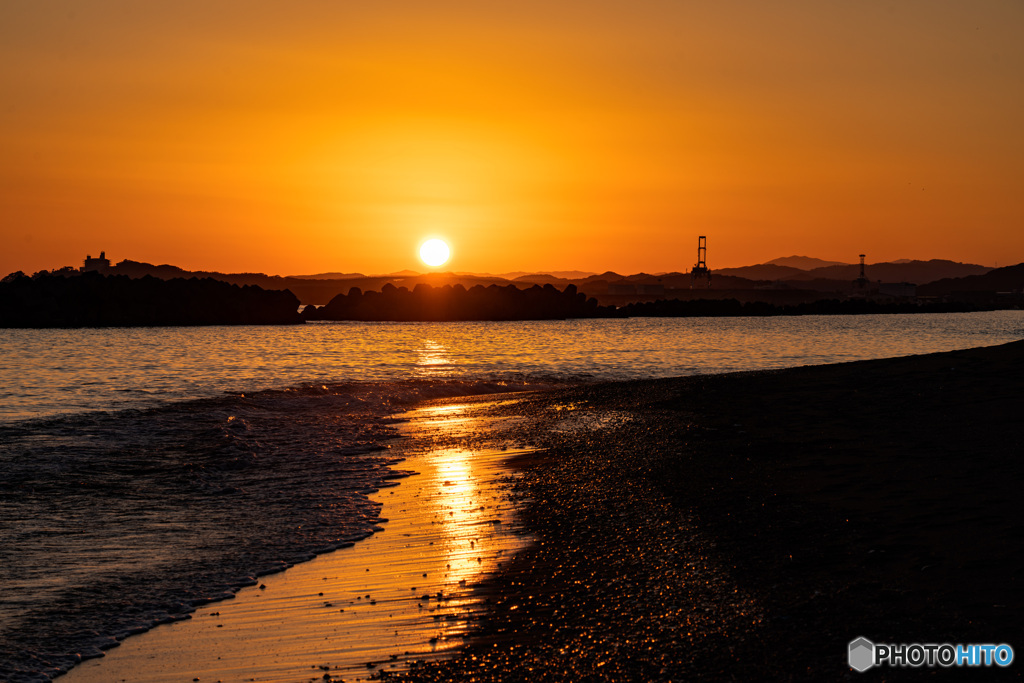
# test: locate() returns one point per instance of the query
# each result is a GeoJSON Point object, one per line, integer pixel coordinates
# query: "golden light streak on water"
{"type": "Point", "coordinates": [408, 592]}
{"type": "Point", "coordinates": [432, 360]}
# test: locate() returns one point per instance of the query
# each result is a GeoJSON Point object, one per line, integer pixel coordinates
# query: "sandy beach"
{"type": "Point", "coordinates": [749, 526]}
{"type": "Point", "coordinates": [721, 527]}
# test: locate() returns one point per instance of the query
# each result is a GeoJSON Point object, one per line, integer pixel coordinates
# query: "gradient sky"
{"type": "Point", "coordinates": [318, 135]}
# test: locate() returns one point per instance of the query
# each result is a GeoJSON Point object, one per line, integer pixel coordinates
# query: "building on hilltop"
{"type": "Point", "coordinates": [100, 265]}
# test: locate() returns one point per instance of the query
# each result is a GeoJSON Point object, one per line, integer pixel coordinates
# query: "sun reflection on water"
{"type": "Point", "coordinates": [463, 517]}
{"type": "Point", "coordinates": [466, 505]}
{"type": "Point", "coordinates": [414, 591]}
{"type": "Point", "coordinates": [469, 510]}
{"type": "Point", "coordinates": [432, 360]}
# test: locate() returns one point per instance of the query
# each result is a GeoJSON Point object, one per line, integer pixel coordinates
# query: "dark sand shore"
{"type": "Point", "coordinates": [748, 526]}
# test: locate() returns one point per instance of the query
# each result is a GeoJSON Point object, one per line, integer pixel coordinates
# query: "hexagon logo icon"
{"type": "Point", "coordinates": [862, 654]}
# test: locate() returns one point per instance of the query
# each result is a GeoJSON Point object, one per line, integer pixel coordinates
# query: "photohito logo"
{"type": "Point", "coordinates": [863, 654]}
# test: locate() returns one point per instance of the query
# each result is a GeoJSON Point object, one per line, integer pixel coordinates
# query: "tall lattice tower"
{"type": "Point", "coordinates": [701, 274]}
{"type": "Point", "coordinates": [861, 283]}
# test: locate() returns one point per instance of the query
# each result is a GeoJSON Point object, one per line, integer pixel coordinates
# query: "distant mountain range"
{"type": "Point", "coordinates": [791, 278]}
{"type": "Point", "coordinates": [1007, 279]}
{"type": "Point", "coordinates": [916, 272]}
{"type": "Point", "coordinates": [784, 269]}
{"type": "Point", "coordinates": [328, 276]}
{"type": "Point", "coordinates": [558, 274]}
{"type": "Point", "coordinates": [802, 262]}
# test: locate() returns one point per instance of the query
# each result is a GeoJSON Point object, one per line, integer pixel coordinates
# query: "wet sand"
{"type": "Point", "coordinates": [405, 592]}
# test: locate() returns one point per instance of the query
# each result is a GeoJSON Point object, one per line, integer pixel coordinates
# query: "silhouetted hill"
{"type": "Point", "coordinates": [606, 276]}
{"type": "Point", "coordinates": [315, 290]}
{"type": "Point", "coordinates": [560, 274]}
{"type": "Point", "coordinates": [828, 276]}
{"type": "Point", "coordinates": [917, 272]}
{"type": "Point", "coordinates": [1008, 279]}
{"type": "Point", "coordinates": [718, 281]}
{"type": "Point", "coordinates": [138, 269]}
{"type": "Point", "coordinates": [96, 300]}
{"type": "Point", "coordinates": [327, 276]}
{"type": "Point", "coordinates": [540, 279]}
{"type": "Point", "coordinates": [571, 274]}
{"type": "Point", "coordinates": [801, 262]}
{"type": "Point", "coordinates": [643, 278]}
{"type": "Point", "coordinates": [763, 271]}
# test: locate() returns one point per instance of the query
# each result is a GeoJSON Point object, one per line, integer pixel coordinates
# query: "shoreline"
{"type": "Point", "coordinates": [751, 525]}
{"type": "Point", "coordinates": [409, 591]}
{"type": "Point", "coordinates": [721, 525]}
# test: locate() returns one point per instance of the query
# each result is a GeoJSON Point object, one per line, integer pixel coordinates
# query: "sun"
{"type": "Point", "coordinates": [434, 252]}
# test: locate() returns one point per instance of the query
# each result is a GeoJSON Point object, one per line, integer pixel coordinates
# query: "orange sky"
{"type": "Point", "coordinates": [320, 135]}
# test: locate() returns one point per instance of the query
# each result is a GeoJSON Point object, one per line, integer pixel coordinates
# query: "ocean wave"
{"type": "Point", "coordinates": [115, 521]}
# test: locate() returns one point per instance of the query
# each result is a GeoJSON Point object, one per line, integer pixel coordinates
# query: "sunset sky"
{"type": "Point", "coordinates": [328, 135]}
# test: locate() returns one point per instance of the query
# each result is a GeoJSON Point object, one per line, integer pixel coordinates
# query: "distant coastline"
{"type": "Point", "coordinates": [96, 300]}
{"type": "Point", "coordinates": [781, 282]}
{"type": "Point", "coordinates": [132, 293]}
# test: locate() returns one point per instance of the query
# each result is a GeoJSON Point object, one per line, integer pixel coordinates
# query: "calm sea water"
{"type": "Point", "coordinates": [144, 471]}
{"type": "Point", "coordinates": [46, 372]}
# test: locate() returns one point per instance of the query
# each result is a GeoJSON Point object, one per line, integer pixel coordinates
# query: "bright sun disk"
{"type": "Point", "coordinates": [434, 252]}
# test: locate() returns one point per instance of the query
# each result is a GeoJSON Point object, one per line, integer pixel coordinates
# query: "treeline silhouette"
{"type": "Point", "coordinates": [95, 300]}
{"type": "Point", "coordinates": [455, 302]}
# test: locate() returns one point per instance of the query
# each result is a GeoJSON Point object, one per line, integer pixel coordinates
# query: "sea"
{"type": "Point", "coordinates": [146, 471]}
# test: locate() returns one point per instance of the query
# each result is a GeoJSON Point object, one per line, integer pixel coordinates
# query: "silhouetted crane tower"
{"type": "Point", "coordinates": [701, 274]}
